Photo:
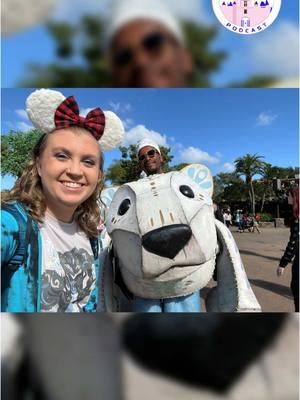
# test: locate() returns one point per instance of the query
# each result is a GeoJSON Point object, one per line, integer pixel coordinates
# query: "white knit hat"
{"type": "Point", "coordinates": [147, 142]}
{"type": "Point", "coordinates": [125, 11]}
{"type": "Point", "coordinates": [41, 106]}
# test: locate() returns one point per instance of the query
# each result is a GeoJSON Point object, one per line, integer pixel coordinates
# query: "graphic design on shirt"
{"type": "Point", "coordinates": [68, 286]}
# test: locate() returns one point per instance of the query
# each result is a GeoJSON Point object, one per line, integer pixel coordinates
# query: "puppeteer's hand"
{"type": "Point", "coordinates": [280, 271]}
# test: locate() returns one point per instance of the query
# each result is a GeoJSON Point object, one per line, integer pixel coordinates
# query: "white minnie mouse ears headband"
{"type": "Point", "coordinates": [49, 110]}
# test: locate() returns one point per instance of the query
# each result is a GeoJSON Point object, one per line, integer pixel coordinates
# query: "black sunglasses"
{"type": "Point", "coordinates": [150, 153]}
{"type": "Point", "coordinates": [151, 43]}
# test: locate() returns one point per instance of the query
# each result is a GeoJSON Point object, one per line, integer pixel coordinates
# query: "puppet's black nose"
{"type": "Point", "coordinates": [168, 240]}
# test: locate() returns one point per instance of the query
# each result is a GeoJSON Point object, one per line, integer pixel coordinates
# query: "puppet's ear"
{"type": "Point", "coordinates": [201, 175]}
{"type": "Point", "coordinates": [233, 292]}
{"type": "Point", "coordinates": [106, 197]}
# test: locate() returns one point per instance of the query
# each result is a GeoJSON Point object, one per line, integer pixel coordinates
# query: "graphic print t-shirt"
{"type": "Point", "coordinates": [68, 268]}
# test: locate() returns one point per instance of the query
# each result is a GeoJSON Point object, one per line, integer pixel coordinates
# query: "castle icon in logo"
{"type": "Point", "coordinates": [246, 13]}
{"type": "Point", "coordinates": [246, 16]}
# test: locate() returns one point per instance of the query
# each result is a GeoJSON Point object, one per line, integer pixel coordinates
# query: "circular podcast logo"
{"type": "Point", "coordinates": [246, 17]}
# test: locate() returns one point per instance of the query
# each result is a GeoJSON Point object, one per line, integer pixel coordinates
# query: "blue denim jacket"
{"type": "Point", "coordinates": [21, 284]}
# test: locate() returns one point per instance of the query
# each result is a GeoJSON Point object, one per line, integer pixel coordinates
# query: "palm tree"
{"type": "Point", "coordinates": [250, 165]}
{"type": "Point", "coordinates": [268, 175]}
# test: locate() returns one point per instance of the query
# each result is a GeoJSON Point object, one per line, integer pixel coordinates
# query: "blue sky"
{"type": "Point", "coordinates": [275, 51]}
{"type": "Point", "coordinates": [212, 126]}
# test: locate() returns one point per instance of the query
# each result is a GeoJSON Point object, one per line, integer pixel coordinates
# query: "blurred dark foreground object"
{"type": "Point", "coordinates": [65, 357]}
{"type": "Point", "coordinates": [209, 351]}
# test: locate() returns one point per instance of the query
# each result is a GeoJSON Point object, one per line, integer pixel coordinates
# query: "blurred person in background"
{"type": "Point", "coordinates": [238, 221]}
{"type": "Point", "coordinates": [291, 253]}
{"type": "Point", "coordinates": [146, 46]}
{"type": "Point", "coordinates": [218, 213]}
{"type": "Point", "coordinates": [255, 223]}
{"type": "Point", "coordinates": [227, 218]}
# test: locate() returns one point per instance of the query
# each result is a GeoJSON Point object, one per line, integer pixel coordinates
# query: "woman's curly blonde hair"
{"type": "Point", "coordinates": [28, 190]}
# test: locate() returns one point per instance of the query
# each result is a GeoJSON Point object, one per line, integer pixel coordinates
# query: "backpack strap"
{"type": "Point", "coordinates": [95, 247]}
{"type": "Point", "coordinates": [25, 228]}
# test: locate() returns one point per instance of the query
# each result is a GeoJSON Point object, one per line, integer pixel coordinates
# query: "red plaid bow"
{"type": "Point", "coordinates": [67, 114]}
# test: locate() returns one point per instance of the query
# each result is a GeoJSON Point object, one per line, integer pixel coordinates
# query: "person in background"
{"type": "Point", "coordinates": [151, 162]}
{"type": "Point", "coordinates": [227, 218]}
{"type": "Point", "coordinates": [230, 217]}
{"type": "Point", "coordinates": [145, 45]}
{"type": "Point", "coordinates": [255, 223]}
{"type": "Point", "coordinates": [291, 253]}
{"type": "Point", "coordinates": [246, 222]}
{"type": "Point", "coordinates": [258, 218]}
{"type": "Point", "coordinates": [149, 157]}
{"type": "Point", "coordinates": [218, 213]}
{"type": "Point", "coordinates": [238, 221]}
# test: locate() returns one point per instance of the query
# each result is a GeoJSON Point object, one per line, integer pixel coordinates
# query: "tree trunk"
{"type": "Point", "coordinates": [252, 197]}
{"type": "Point", "coordinates": [263, 202]}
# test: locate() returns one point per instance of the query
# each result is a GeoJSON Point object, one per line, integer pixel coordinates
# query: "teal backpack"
{"type": "Point", "coordinates": [26, 233]}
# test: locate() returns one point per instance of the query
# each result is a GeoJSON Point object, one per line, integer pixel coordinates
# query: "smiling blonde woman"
{"type": "Point", "coordinates": [50, 256]}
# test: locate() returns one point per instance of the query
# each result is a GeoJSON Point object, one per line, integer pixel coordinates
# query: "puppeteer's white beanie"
{"type": "Point", "coordinates": [124, 11]}
{"type": "Point", "coordinates": [147, 142]}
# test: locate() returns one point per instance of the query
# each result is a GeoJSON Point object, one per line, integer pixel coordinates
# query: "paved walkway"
{"type": "Point", "coordinates": [261, 254]}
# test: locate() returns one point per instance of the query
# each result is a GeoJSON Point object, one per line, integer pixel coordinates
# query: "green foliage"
{"type": "Point", "coordinates": [263, 190]}
{"type": "Point", "coordinates": [282, 172]}
{"type": "Point", "coordinates": [16, 150]}
{"type": "Point", "coordinates": [250, 165]}
{"type": "Point", "coordinates": [229, 188]}
{"type": "Point", "coordinates": [256, 81]}
{"type": "Point", "coordinates": [81, 60]}
{"type": "Point", "coordinates": [266, 217]}
{"type": "Point", "coordinates": [63, 34]}
{"type": "Point", "coordinates": [84, 42]}
{"type": "Point", "coordinates": [206, 61]}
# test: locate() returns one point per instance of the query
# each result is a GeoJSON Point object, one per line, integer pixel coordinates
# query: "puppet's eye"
{"type": "Point", "coordinates": [187, 191]}
{"type": "Point", "coordinates": [124, 207]}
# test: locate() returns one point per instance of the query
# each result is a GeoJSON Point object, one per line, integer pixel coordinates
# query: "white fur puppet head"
{"type": "Point", "coordinates": [164, 233]}
{"type": "Point", "coordinates": [41, 106]}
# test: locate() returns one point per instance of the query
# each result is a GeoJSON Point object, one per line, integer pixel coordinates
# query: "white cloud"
{"type": "Point", "coordinates": [265, 118]}
{"type": "Point", "coordinates": [18, 15]}
{"type": "Point", "coordinates": [22, 114]}
{"type": "Point", "coordinates": [128, 122]}
{"type": "Point", "coordinates": [18, 126]}
{"type": "Point", "coordinates": [228, 167]}
{"type": "Point", "coordinates": [74, 9]}
{"type": "Point", "coordinates": [115, 106]}
{"type": "Point", "coordinates": [196, 155]}
{"type": "Point", "coordinates": [85, 111]}
{"type": "Point", "coordinates": [23, 126]}
{"type": "Point", "coordinates": [120, 108]}
{"type": "Point", "coordinates": [190, 9]}
{"type": "Point", "coordinates": [127, 107]}
{"type": "Point", "coordinates": [277, 51]}
{"type": "Point", "coordinates": [140, 132]}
